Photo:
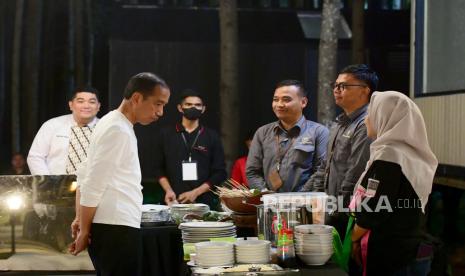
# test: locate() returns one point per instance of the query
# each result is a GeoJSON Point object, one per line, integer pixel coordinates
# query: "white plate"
{"type": "Point", "coordinates": [154, 207]}
{"type": "Point", "coordinates": [252, 243]}
{"type": "Point", "coordinates": [210, 250]}
{"type": "Point", "coordinates": [190, 206]}
{"type": "Point", "coordinates": [206, 224]}
{"type": "Point", "coordinates": [208, 232]}
{"type": "Point", "coordinates": [263, 253]}
{"type": "Point", "coordinates": [214, 244]}
{"type": "Point", "coordinates": [207, 229]}
{"type": "Point", "coordinates": [200, 240]}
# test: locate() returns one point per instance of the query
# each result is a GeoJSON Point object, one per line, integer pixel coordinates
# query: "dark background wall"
{"type": "Point", "coordinates": [180, 44]}
{"type": "Point", "coordinates": [268, 53]}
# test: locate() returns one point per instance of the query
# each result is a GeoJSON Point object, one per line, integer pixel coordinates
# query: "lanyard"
{"type": "Point", "coordinates": [281, 154]}
{"type": "Point", "coordinates": [189, 150]}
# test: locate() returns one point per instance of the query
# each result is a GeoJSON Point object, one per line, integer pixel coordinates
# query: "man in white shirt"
{"type": "Point", "coordinates": [110, 195]}
{"type": "Point", "coordinates": [49, 150]}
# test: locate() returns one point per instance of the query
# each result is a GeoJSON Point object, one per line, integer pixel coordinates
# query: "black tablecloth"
{"type": "Point", "coordinates": [329, 269]}
{"type": "Point", "coordinates": [162, 251]}
{"type": "Point", "coordinates": [163, 255]}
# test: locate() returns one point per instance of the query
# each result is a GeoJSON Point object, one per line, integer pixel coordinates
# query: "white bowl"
{"type": "Point", "coordinates": [315, 259]}
{"type": "Point", "coordinates": [313, 241]}
{"type": "Point", "coordinates": [316, 246]}
{"type": "Point", "coordinates": [319, 235]}
{"type": "Point", "coordinates": [214, 245]}
{"type": "Point", "coordinates": [252, 243]}
{"type": "Point", "coordinates": [306, 251]}
{"type": "Point", "coordinates": [314, 229]}
{"type": "Point", "coordinates": [313, 238]}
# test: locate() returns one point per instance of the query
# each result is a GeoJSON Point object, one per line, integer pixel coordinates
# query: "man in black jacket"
{"type": "Point", "coordinates": [190, 157]}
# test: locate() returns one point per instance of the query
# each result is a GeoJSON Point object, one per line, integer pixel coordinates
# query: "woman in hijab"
{"type": "Point", "coordinates": [391, 194]}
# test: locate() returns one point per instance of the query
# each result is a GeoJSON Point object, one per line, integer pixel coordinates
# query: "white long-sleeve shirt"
{"type": "Point", "coordinates": [49, 150]}
{"type": "Point", "coordinates": [110, 178]}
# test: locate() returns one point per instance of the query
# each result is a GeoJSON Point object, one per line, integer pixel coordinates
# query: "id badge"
{"type": "Point", "coordinates": [189, 170]}
{"type": "Point", "coordinates": [372, 186]}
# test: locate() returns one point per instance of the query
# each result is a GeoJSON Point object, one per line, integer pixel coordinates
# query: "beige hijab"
{"type": "Point", "coordinates": [402, 139]}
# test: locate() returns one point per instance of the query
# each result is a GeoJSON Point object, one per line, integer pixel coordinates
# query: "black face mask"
{"type": "Point", "coordinates": [192, 113]}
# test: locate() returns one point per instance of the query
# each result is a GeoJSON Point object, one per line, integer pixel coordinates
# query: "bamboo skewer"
{"type": "Point", "coordinates": [232, 188]}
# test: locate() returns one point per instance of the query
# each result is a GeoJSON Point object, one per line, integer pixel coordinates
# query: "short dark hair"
{"type": "Point", "coordinates": [143, 83]}
{"type": "Point", "coordinates": [363, 73]}
{"type": "Point", "coordinates": [190, 93]}
{"type": "Point", "coordinates": [84, 88]}
{"type": "Point", "coordinates": [296, 83]}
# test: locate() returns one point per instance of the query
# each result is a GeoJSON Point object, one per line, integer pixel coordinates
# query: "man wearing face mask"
{"type": "Point", "coordinates": [191, 157]}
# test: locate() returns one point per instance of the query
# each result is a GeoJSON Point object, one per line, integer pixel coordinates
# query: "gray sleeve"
{"type": "Point", "coordinates": [321, 146]}
{"type": "Point", "coordinates": [359, 155]}
{"type": "Point", "coordinates": [254, 167]}
{"type": "Point", "coordinates": [316, 182]}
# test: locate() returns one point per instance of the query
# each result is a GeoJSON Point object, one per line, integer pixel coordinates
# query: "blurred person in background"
{"type": "Point", "coordinates": [18, 165]}
{"type": "Point", "coordinates": [61, 143]}
{"type": "Point", "coordinates": [238, 168]}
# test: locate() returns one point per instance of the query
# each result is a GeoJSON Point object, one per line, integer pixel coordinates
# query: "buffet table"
{"type": "Point", "coordinates": [163, 255]}
{"type": "Point", "coordinates": [162, 251]}
{"type": "Point", "coordinates": [325, 270]}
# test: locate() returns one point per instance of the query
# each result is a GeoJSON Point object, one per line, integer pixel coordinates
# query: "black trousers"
{"type": "Point", "coordinates": [115, 249]}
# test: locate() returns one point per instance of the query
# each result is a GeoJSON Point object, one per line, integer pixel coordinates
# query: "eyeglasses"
{"type": "Point", "coordinates": [342, 85]}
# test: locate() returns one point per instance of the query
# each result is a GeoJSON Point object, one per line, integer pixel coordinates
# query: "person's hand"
{"type": "Point", "coordinates": [75, 228]}
{"type": "Point", "coordinates": [188, 197]}
{"type": "Point", "coordinates": [170, 197]}
{"type": "Point", "coordinates": [356, 252]}
{"type": "Point", "coordinates": [80, 244]}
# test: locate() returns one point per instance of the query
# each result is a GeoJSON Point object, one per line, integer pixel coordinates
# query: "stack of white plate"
{"type": "Point", "coordinates": [155, 213]}
{"type": "Point", "coordinates": [314, 243]}
{"type": "Point", "coordinates": [253, 251]}
{"type": "Point", "coordinates": [193, 232]}
{"type": "Point", "coordinates": [210, 254]}
{"type": "Point", "coordinates": [178, 211]}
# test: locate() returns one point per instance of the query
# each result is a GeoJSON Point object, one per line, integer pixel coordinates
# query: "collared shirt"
{"type": "Point", "coordinates": [307, 141]}
{"type": "Point", "coordinates": [207, 152]}
{"type": "Point", "coordinates": [110, 179]}
{"type": "Point", "coordinates": [49, 150]}
{"type": "Point", "coordinates": [348, 153]}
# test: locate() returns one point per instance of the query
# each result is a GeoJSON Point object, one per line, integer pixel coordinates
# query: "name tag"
{"type": "Point", "coordinates": [372, 186]}
{"type": "Point", "coordinates": [307, 141]}
{"type": "Point", "coordinates": [189, 170]}
{"type": "Point", "coordinates": [347, 134]}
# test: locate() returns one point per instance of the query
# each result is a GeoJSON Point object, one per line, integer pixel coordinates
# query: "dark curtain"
{"type": "Point", "coordinates": [61, 44]}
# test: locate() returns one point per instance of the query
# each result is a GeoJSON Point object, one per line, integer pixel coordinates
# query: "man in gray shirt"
{"type": "Point", "coordinates": [348, 146]}
{"type": "Point", "coordinates": [284, 154]}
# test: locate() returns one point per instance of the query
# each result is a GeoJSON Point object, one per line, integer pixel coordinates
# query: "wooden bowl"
{"type": "Point", "coordinates": [236, 204]}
